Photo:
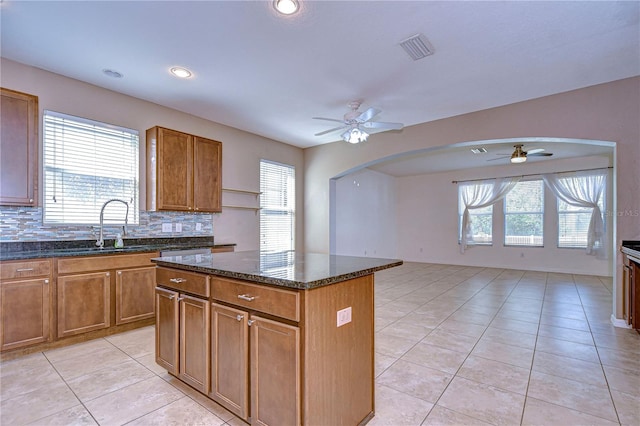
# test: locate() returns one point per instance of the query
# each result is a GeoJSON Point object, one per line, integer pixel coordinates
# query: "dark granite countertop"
{"type": "Point", "coordinates": [45, 249]}
{"type": "Point", "coordinates": [631, 248]}
{"type": "Point", "coordinates": [285, 269]}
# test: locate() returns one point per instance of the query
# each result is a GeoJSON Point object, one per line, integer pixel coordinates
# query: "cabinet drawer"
{"type": "Point", "coordinates": [189, 282]}
{"type": "Point", "coordinates": [75, 265]}
{"type": "Point", "coordinates": [25, 269]}
{"type": "Point", "coordinates": [274, 301]}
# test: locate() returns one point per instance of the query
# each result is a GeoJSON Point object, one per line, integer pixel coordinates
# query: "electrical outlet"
{"type": "Point", "coordinates": [178, 227]}
{"type": "Point", "coordinates": [344, 316]}
{"type": "Point", "coordinates": [166, 227]}
{"type": "Point", "coordinates": [198, 226]}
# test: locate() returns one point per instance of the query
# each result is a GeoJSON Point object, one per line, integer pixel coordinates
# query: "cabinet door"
{"type": "Point", "coordinates": [24, 313]}
{"type": "Point", "coordinates": [175, 170]}
{"type": "Point", "coordinates": [195, 335]}
{"type": "Point", "coordinates": [18, 148]}
{"type": "Point", "coordinates": [167, 330]}
{"type": "Point", "coordinates": [230, 359]}
{"type": "Point", "coordinates": [83, 303]}
{"type": "Point", "coordinates": [135, 294]}
{"type": "Point", "coordinates": [275, 373]}
{"type": "Point", "coordinates": [207, 175]}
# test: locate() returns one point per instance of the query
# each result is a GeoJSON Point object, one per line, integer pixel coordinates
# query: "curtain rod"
{"type": "Point", "coordinates": [531, 174]}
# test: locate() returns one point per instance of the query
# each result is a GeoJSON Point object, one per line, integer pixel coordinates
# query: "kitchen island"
{"type": "Point", "coordinates": [278, 338]}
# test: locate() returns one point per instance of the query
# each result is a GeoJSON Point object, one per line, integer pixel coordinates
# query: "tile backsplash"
{"type": "Point", "coordinates": [25, 224]}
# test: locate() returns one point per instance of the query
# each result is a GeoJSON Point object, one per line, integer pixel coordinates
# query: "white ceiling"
{"type": "Point", "coordinates": [268, 74]}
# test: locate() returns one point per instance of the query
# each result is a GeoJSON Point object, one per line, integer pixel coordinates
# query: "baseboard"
{"type": "Point", "coordinates": [619, 322]}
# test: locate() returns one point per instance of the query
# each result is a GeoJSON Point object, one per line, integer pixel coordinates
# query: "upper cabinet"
{"type": "Point", "coordinates": [18, 148]}
{"type": "Point", "coordinates": [184, 172]}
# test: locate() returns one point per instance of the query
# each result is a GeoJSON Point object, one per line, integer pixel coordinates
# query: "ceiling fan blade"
{"type": "Point", "coordinates": [534, 151]}
{"type": "Point", "coordinates": [368, 115]}
{"type": "Point", "coordinates": [540, 154]}
{"type": "Point", "coordinates": [499, 158]}
{"type": "Point", "coordinates": [382, 125]}
{"type": "Point", "coordinates": [329, 119]}
{"type": "Point", "coordinates": [330, 130]}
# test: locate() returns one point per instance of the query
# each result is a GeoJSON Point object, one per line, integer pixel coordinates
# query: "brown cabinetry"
{"type": "Point", "coordinates": [98, 292]}
{"type": "Point", "coordinates": [632, 291]}
{"type": "Point", "coordinates": [184, 172]}
{"type": "Point", "coordinates": [83, 303]}
{"type": "Point", "coordinates": [134, 294]}
{"type": "Point", "coordinates": [18, 148]}
{"type": "Point", "coordinates": [25, 303]}
{"type": "Point", "coordinates": [183, 327]}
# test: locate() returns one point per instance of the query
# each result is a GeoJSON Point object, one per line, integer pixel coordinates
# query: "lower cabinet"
{"type": "Point", "coordinates": [24, 307]}
{"type": "Point", "coordinates": [183, 336]}
{"type": "Point", "coordinates": [134, 294]}
{"type": "Point", "coordinates": [25, 303]}
{"type": "Point", "coordinates": [270, 350]}
{"type": "Point", "coordinates": [83, 303]}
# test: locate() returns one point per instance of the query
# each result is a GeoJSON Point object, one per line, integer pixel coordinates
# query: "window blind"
{"type": "Point", "coordinates": [85, 164]}
{"type": "Point", "coordinates": [277, 207]}
{"type": "Point", "coordinates": [573, 224]}
{"type": "Point", "coordinates": [524, 214]}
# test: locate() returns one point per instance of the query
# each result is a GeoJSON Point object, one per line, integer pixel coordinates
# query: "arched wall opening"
{"type": "Point", "coordinates": [378, 209]}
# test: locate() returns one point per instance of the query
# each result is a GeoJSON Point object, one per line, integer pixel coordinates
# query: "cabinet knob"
{"type": "Point", "coordinates": [119, 272]}
{"type": "Point", "coordinates": [31, 200]}
{"type": "Point", "coordinates": [239, 317]}
{"type": "Point", "coordinates": [180, 298]}
{"type": "Point", "coordinates": [246, 297]}
{"type": "Point", "coordinates": [107, 274]}
{"type": "Point", "coordinates": [250, 322]}
{"type": "Point", "coordinates": [46, 281]}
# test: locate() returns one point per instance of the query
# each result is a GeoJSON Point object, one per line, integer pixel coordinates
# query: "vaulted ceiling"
{"type": "Point", "coordinates": [268, 74]}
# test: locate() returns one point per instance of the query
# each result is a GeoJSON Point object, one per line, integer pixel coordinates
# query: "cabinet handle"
{"type": "Point", "coordinates": [178, 280]}
{"type": "Point", "coordinates": [250, 322]}
{"type": "Point", "coordinates": [24, 269]}
{"type": "Point", "coordinates": [239, 317]}
{"type": "Point", "coordinates": [245, 297]}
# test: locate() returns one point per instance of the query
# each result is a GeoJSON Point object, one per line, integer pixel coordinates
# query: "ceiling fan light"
{"type": "Point", "coordinates": [355, 135]}
{"type": "Point", "coordinates": [518, 159]}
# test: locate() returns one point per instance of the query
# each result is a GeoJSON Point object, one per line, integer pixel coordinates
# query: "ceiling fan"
{"type": "Point", "coordinates": [355, 121]}
{"type": "Point", "coordinates": [520, 156]}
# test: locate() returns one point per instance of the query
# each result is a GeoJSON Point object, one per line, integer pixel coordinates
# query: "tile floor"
{"type": "Point", "coordinates": [454, 346]}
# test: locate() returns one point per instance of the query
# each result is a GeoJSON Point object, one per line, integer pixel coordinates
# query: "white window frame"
{"type": "Point", "coordinates": [538, 241]}
{"type": "Point", "coordinates": [277, 207]}
{"type": "Point", "coordinates": [574, 211]}
{"type": "Point", "coordinates": [86, 163]}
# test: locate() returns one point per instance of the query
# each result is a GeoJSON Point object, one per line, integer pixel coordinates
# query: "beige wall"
{"type": "Point", "coordinates": [241, 151]}
{"type": "Point", "coordinates": [606, 112]}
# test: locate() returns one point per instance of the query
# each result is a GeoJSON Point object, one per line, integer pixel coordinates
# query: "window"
{"type": "Point", "coordinates": [573, 224]}
{"type": "Point", "coordinates": [277, 207]}
{"type": "Point", "coordinates": [524, 214]}
{"type": "Point", "coordinates": [481, 225]}
{"type": "Point", "coordinates": [85, 164]}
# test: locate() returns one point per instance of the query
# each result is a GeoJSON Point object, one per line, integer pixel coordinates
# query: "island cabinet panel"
{"type": "Point", "coordinates": [19, 146]}
{"type": "Point", "coordinates": [134, 294]}
{"type": "Point", "coordinates": [83, 303]}
{"type": "Point", "coordinates": [24, 312]}
{"type": "Point", "coordinates": [339, 360]}
{"type": "Point", "coordinates": [195, 335]}
{"type": "Point", "coordinates": [275, 373]}
{"type": "Point", "coordinates": [230, 359]}
{"type": "Point", "coordinates": [167, 330]}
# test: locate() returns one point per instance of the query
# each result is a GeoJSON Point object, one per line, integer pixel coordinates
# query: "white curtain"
{"type": "Point", "coordinates": [583, 189]}
{"type": "Point", "coordinates": [477, 195]}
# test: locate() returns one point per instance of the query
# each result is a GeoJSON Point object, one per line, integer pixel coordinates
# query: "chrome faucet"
{"type": "Point", "coordinates": [100, 242]}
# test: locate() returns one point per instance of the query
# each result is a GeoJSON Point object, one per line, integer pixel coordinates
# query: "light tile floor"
{"type": "Point", "coordinates": [454, 345]}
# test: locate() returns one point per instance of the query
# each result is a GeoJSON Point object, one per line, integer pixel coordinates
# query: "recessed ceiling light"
{"type": "Point", "coordinates": [181, 72]}
{"type": "Point", "coordinates": [112, 73]}
{"type": "Point", "coordinates": [286, 7]}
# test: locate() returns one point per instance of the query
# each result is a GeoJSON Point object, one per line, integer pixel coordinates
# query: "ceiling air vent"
{"type": "Point", "coordinates": [417, 47]}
